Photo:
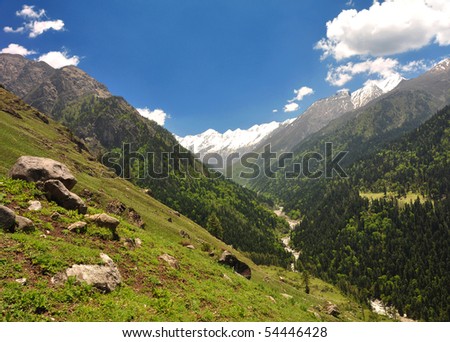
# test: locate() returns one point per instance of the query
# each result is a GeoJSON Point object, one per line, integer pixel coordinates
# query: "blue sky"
{"type": "Point", "coordinates": [227, 64]}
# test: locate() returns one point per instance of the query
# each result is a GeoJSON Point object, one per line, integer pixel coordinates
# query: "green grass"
{"type": "Point", "coordinates": [151, 290]}
{"type": "Point", "coordinates": [410, 196]}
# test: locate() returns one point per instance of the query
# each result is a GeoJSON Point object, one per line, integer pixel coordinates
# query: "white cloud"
{"type": "Point", "coordinates": [301, 93]}
{"type": "Point", "coordinates": [33, 23]}
{"type": "Point", "coordinates": [58, 59]}
{"type": "Point", "coordinates": [381, 67]}
{"type": "Point", "coordinates": [157, 115]}
{"type": "Point", "coordinates": [291, 107]}
{"type": "Point", "coordinates": [37, 28]}
{"type": "Point", "coordinates": [275, 111]}
{"type": "Point", "coordinates": [29, 12]}
{"type": "Point", "coordinates": [417, 66]}
{"type": "Point", "coordinates": [387, 28]}
{"type": "Point", "coordinates": [16, 49]}
{"type": "Point", "coordinates": [9, 29]}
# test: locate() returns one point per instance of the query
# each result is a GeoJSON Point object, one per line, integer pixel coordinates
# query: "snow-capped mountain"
{"type": "Point", "coordinates": [443, 65]}
{"type": "Point", "coordinates": [373, 89]}
{"type": "Point", "coordinates": [284, 135]}
{"type": "Point", "coordinates": [238, 140]}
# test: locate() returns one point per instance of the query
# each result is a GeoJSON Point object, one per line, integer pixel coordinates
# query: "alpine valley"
{"type": "Point", "coordinates": [168, 238]}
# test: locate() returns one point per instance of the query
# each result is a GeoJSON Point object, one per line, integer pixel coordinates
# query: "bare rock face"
{"type": "Point", "coordinates": [238, 266]}
{"type": "Point", "coordinates": [7, 219]}
{"type": "Point", "coordinates": [24, 224]}
{"type": "Point", "coordinates": [56, 191]}
{"type": "Point", "coordinates": [104, 277]}
{"type": "Point", "coordinates": [33, 169]}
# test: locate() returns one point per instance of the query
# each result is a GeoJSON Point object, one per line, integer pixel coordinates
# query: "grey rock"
{"type": "Point", "coordinates": [285, 295]}
{"type": "Point", "coordinates": [135, 218]}
{"type": "Point", "coordinates": [56, 191]}
{"type": "Point", "coordinates": [34, 205]}
{"type": "Point", "coordinates": [133, 243]}
{"type": "Point", "coordinates": [238, 266]}
{"type": "Point", "coordinates": [106, 278]}
{"type": "Point", "coordinates": [190, 247]}
{"type": "Point", "coordinates": [332, 309]}
{"type": "Point", "coordinates": [33, 169]}
{"type": "Point", "coordinates": [7, 219]}
{"type": "Point", "coordinates": [170, 260]}
{"type": "Point", "coordinates": [24, 224]}
{"type": "Point", "coordinates": [271, 299]}
{"type": "Point", "coordinates": [21, 281]}
{"type": "Point", "coordinates": [78, 227]}
{"type": "Point", "coordinates": [103, 220]}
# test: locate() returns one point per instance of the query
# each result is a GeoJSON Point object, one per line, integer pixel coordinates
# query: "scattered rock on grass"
{"type": "Point", "coordinates": [103, 277]}
{"type": "Point", "coordinates": [133, 243]}
{"type": "Point", "coordinates": [104, 220]}
{"type": "Point", "coordinates": [238, 266]}
{"type": "Point", "coordinates": [79, 227]}
{"type": "Point", "coordinates": [7, 219]}
{"type": "Point", "coordinates": [33, 169]}
{"type": "Point", "coordinates": [21, 281]}
{"type": "Point", "coordinates": [24, 224]}
{"type": "Point", "coordinates": [332, 309]}
{"type": "Point", "coordinates": [170, 260]}
{"type": "Point", "coordinates": [56, 191]}
{"type": "Point", "coordinates": [285, 295]}
{"type": "Point", "coordinates": [34, 205]}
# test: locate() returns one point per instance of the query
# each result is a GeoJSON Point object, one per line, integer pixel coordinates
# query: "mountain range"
{"type": "Point", "coordinates": [379, 231]}
{"type": "Point", "coordinates": [284, 135]}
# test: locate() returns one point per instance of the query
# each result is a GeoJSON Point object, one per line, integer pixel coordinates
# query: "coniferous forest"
{"type": "Point", "coordinates": [394, 245]}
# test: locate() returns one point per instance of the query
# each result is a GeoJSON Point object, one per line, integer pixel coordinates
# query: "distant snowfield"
{"type": "Point", "coordinates": [212, 141]}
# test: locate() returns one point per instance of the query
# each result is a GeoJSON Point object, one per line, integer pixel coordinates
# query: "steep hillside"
{"type": "Point", "coordinates": [198, 290]}
{"type": "Point", "coordinates": [136, 148]}
{"type": "Point", "coordinates": [384, 230]}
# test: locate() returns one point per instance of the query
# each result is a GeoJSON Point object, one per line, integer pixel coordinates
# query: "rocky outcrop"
{"type": "Point", "coordinates": [24, 224]}
{"type": "Point", "coordinates": [56, 191]}
{"type": "Point", "coordinates": [103, 277]}
{"type": "Point", "coordinates": [34, 169]}
{"type": "Point", "coordinates": [238, 266]}
{"type": "Point", "coordinates": [7, 219]}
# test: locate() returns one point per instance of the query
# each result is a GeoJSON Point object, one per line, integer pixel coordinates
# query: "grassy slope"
{"type": "Point", "coordinates": [151, 291]}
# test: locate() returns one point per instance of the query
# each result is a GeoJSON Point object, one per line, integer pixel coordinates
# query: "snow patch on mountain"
{"type": "Point", "coordinates": [443, 65]}
{"type": "Point", "coordinates": [212, 141]}
{"type": "Point", "coordinates": [373, 89]}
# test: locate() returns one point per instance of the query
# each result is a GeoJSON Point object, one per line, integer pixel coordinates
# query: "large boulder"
{"type": "Point", "coordinates": [7, 219]}
{"type": "Point", "coordinates": [103, 277]}
{"type": "Point", "coordinates": [238, 266]}
{"type": "Point", "coordinates": [56, 191]}
{"type": "Point", "coordinates": [33, 169]}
